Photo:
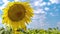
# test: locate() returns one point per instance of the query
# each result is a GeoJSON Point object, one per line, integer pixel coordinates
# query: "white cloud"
{"type": "Point", "coordinates": [42, 22]}
{"type": "Point", "coordinates": [38, 22]}
{"type": "Point", "coordinates": [18, 0]}
{"type": "Point", "coordinates": [58, 24]}
{"type": "Point", "coordinates": [33, 24]}
{"type": "Point", "coordinates": [42, 17]}
{"type": "Point", "coordinates": [40, 1]}
{"type": "Point", "coordinates": [52, 14]}
{"type": "Point", "coordinates": [36, 17]}
{"type": "Point", "coordinates": [42, 4]}
{"type": "Point", "coordinates": [5, 1]}
{"type": "Point", "coordinates": [36, 3]}
{"type": "Point", "coordinates": [39, 16]}
{"type": "Point", "coordinates": [49, 3]}
{"type": "Point", "coordinates": [4, 5]}
{"type": "Point", "coordinates": [1, 7]}
{"type": "Point", "coordinates": [54, 1]}
{"type": "Point", "coordinates": [39, 11]}
{"type": "Point", "coordinates": [46, 8]}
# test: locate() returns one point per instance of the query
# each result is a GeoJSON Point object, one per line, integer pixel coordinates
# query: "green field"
{"type": "Point", "coordinates": [32, 31]}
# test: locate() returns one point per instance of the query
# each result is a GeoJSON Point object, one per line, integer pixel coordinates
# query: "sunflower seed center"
{"type": "Point", "coordinates": [16, 12]}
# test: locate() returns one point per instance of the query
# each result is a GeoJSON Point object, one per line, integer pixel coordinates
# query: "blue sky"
{"type": "Point", "coordinates": [46, 13]}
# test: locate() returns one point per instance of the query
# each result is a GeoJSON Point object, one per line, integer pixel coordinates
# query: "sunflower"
{"type": "Point", "coordinates": [17, 15]}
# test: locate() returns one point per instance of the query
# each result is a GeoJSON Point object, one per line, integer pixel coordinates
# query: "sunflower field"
{"type": "Point", "coordinates": [31, 31]}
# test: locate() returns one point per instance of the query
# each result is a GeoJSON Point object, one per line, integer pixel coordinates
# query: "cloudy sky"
{"type": "Point", "coordinates": [46, 13]}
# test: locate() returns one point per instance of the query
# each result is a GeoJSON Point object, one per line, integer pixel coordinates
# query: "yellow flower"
{"type": "Point", "coordinates": [17, 15]}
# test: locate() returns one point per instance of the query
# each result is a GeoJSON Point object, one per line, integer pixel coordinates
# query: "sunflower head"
{"type": "Point", "coordinates": [16, 14]}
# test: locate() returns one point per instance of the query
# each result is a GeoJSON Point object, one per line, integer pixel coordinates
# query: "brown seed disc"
{"type": "Point", "coordinates": [16, 12]}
